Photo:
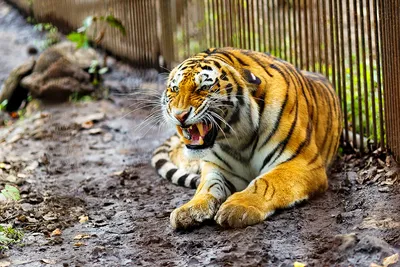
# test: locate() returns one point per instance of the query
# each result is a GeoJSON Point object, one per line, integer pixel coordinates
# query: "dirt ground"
{"type": "Point", "coordinates": [92, 159]}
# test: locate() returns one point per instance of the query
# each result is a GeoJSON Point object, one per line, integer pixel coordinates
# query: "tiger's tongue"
{"type": "Point", "coordinates": [194, 135]}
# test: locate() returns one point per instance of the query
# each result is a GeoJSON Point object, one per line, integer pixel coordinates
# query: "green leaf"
{"type": "Point", "coordinates": [80, 39]}
{"type": "Point", "coordinates": [116, 23]}
{"type": "Point", "coordinates": [11, 192]}
{"type": "Point", "coordinates": [5, 240]}
{"type": "Point", "coordinates": [103, 70]}
{"type": "Point", "coordinates": [74, 37]}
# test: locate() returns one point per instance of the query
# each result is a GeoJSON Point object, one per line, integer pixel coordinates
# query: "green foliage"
{"type": "Point", "coordinates": [3, 105]}
{"type": "Point", "coordinates": [11, 193]}
{"type": "Point", "coordinates": [96, 71]}
{"type": "Point", "coordinates": [76, 97]}
{"type": "Point", "coordinates": [8, 236]}
{"type": "Point", "coordinates": [115, 23]}
{"type": "Point", "coordinates": [81, 38]}
{"type": "Point", "coordinates": [52, 35]}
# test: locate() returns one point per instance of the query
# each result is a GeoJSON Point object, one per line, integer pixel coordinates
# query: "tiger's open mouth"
{"type": "Point", "coordinates": [198, 136]}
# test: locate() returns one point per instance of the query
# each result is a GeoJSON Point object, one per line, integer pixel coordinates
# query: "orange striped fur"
{"type": "Point", "coordinates": [255, 134]}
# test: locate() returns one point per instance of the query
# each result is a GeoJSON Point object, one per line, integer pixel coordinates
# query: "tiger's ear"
{"type": "Point", "coordinates": [251, 78]}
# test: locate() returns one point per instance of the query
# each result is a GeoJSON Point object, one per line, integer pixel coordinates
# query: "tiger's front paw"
{"type": "Point", "coordinates": [197, 210]}
{"type": "Point", "coordinates": [240, 210]}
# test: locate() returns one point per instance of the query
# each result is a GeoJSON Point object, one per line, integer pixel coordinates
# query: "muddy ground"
{"type": "Point", "coordinates": [92, 159]}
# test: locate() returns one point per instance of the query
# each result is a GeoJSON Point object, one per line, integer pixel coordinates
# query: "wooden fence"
{"type": "Point", "coordinates": [350, 41]}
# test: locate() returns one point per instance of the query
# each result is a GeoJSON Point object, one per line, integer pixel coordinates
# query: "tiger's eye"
{"type": "Point", "coordinates": [174, 89]}
{"type": "Point", "coordinates": [205, 87]}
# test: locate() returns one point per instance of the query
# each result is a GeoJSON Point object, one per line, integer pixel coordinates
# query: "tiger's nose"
{"type": "Point", "coordinates": [181, 114]}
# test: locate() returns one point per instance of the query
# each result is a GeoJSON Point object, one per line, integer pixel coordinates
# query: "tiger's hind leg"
{"type": "Point", "coordinates": [281, 187]}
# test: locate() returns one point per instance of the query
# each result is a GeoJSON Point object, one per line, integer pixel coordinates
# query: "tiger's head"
{"type": "Point", "coordinates": [205, 98]}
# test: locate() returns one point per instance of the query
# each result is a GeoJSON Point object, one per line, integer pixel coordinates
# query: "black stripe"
{"type": "Point", "coordinates": [306, 142]}
{"type": "Point", "coordinates": [206, 67]}
{"type": "Point", "coordinates": [238, 59]}
{"type": "Point", "coordinates": [222, 160]}
{"type": "Point", "coordinates": [253, 56]}
{"type": "Point", "coordinates": [230, 186]}
{"type": "Point", "coordinates": [278, 121]}
{"type": "Point", "coordinates": [224, 76]}
{"type": "Point", "coordinates": [329, 121]}
{"type": "Point", "coordinates": [284, 143]}
{"type": "Point", "coordinates": [254, 146]}
{"type": "Point", "coordinates": [182, 179]}
{"type": "Point", "coordinates": [193, 182]}
{"type": "Point", "coordinates": [211, 186]}
{"type": "Point", "coordinates": [160, 163]}
{"type": "Point", "coordinates": [234, 118]}
{"type": "Point", "coordinates": [164, 150]}
{"type": "Point", "coordinates": [275, 67]}
{"type": "Point", "coordinates": [170, 173]}
{"type": "Point", "coordinates": [228, 55]}
{"type": "Point", "coordinates": [231, 152]}
{"type": "Point", "coordinates": [240, 94]}
{"type": "Point", "coordinates": [216, 63]}
{"type": "Point", "coordinates": [314, 159]}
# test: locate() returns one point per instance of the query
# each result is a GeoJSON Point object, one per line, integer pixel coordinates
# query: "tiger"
{"type": "Point", "coordinates": [254, 134]}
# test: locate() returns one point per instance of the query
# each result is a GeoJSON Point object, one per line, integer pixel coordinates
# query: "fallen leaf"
{"type": "Point", "coordinates": [22, 176]}
{"type": "Point", "coordinates": [82, 236]}
{"type": "Point", "coordinates": [95, 131]}
{"type": "Point", "coordinates": [14, 139]}
{"type": "Point", "coordinates": [5, 166]}
{"type": "Point", "coordinates": [56, 232]}
{"type": "Point", "coordinates": [390, 260]}
{"type": "Point", "coordinates": [117, 173]}
{"type": "Point", "coordinates": [11, 192]}
{"type": "Point", "coordinates": [299, 264]}
{"type": "Point", "coordinates": [375, 265]}
{"type": "Point", "coordinates": [87, 124]}
{"type": "Point", "coordinates": [95, 117]}
{"type": "Point", "coordinates": [79, 244]}
{"type": "Point", "coordinates": [48, 261]}
{"type": "Point", "coordinates": [49, 217]}
{"type": "Point", "coordinates": [83, 218]}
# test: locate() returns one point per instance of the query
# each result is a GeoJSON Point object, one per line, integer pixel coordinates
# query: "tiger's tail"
{"type": "Point", "coordinates": [171, 164]}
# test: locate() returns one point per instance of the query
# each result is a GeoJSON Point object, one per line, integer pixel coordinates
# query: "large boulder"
{"type": "Point", "coordinates": [61, 71]}
{"type": "Point", "coordinates": [11, 89]}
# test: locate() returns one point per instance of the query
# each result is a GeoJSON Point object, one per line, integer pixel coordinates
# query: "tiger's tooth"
{"type": "Point", "coordinates": [201, 141]}
{"type": "Point", "coordinates": [200, 128]}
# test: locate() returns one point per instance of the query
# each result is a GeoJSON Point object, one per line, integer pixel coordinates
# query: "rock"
{"type": "Point", "coordinates": [11, 90]}
{"type": "Point", "coordinates": [60, 72]}
{"type": "Point", "coordinates": [26, 207]}
{"type": "Point", "coordinates": [58, 82]}
{"type": "Point", "coordinates": [81, 57]}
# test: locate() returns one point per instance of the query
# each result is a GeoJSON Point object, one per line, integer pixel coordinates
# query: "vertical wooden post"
{"type": "Point", "coordinates": [390, 39]}
{"type": "Point", "coordinates": [167, 18]}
